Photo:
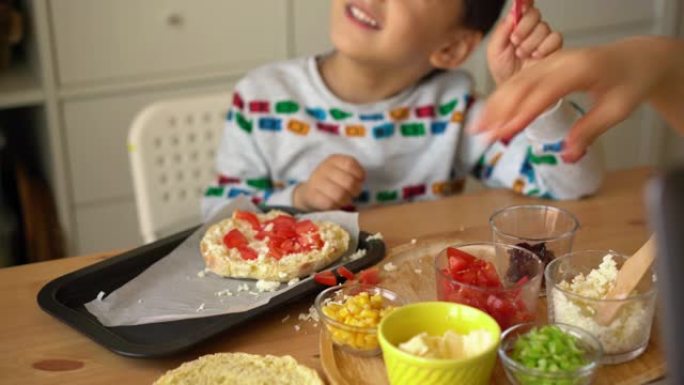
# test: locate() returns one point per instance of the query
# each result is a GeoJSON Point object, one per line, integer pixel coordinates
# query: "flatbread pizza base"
{"type": "Point", "coordinates": [228, 262]}
{"type": "Point", "coordinates": [241, 368]}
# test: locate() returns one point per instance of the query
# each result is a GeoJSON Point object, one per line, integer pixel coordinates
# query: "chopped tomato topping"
{"type": "Point", "coordinates": [234, 238]}
{"type": "Point", "coordinates": [317, 241]}
{"type": "Point", "coordinates": [275, 253]}
{"type": "Point", "coordinates": [370, 276]}
{"type": "Point", "coordinates": [288, 246]}
{"type": "Point", "coordinates": [284, 231]}
{"type": "Point", "coordinates": [248, 217]}
{"type": "Point", "coordinates": [247, 253]}
{"type": "Point", "coordinates": [285, 235]}
{"type": "Point", "coordinates": [486, 290]}
{"type": "Point", "coordinates": [326, 278]}
{"type": "Point", "coordinates": [346, 273]}
{"type": "Point", "coordinates": [310, 241]}
{"type": "Point", "coordinates": [453, 252]}
{"type": "Point", "coordinates": [305, 226]}
{"type": "Point", "coordinates": [285, 220]}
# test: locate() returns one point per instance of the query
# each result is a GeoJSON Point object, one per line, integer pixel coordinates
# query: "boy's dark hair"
{"type": "Point", "coordinates": [481, 15]}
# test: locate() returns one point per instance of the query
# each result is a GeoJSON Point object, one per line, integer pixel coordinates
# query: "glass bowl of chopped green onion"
{"type": "Point", "coordinates": [554, 354]}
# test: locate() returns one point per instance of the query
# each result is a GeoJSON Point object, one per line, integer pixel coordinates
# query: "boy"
{"type": "Point", "coordinates": [382, 118]}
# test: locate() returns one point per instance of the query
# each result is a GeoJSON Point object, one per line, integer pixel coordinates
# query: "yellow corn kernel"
{"type": "Point", "coordinates": [363, 299]}
{"type": "Point", "coordinates": [362, 310]}
{"type": "Point", "coordinates": [352, 308]}
{"type": "Point", "coordinates": [329, 312]}
{"type": "Point", "coordinates": [341, 335]}
{"type": "Point", "coordinates": [357, 322]}
{"type": "Point", "coordinates": [368, 323]}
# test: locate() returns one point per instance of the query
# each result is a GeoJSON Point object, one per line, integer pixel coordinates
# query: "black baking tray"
{"type": "Point", "coordinates": [65, 296]}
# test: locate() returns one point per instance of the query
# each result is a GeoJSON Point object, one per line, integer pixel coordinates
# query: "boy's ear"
{"type": "Point", "coordinates": [457, 50]}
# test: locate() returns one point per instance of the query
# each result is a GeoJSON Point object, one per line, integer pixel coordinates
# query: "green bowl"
{"type": "Point", "coordinates": [436, 318]}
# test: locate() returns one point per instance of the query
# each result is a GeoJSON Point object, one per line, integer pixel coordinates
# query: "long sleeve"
{"type": "Point", "coordinates": [241, 168]}
{"type": "Point", "coordinates": [530, 163]}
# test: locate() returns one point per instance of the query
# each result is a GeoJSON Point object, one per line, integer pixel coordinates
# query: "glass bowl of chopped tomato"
{"type": "Point", "coordinates": [476, 274]}
{"type": "Point", "coordinates": [351, 315]}
{"type": "Point", "coordinates": [556, 353]}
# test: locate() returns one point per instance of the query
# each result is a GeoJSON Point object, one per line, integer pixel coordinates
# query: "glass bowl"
{"type": "Point", "coordinates": [513, 303]}
{"type": "Point", "coordinates": [547, 231]}
{"type": "Point", "coordinates": [351, 336]}
{"type": "Point", "coordinates": [626, 337]}
{"type": "Point", "coordinates": [519, 374]}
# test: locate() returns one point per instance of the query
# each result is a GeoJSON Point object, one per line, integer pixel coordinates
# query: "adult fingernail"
{"type": "Point", "coordinates": [572, 155]}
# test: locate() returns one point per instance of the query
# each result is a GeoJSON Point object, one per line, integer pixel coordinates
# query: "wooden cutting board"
{"type": "Point", "coordinates": [414, 280]}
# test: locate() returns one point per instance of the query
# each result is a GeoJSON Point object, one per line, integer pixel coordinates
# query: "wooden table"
{"type": "Point", "coordinates": [38, 349]}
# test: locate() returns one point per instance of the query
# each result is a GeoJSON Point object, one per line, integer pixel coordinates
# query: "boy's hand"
{"type": "Point", "coordinates": [333, 184]}
{"type": "Point", "coordinates": [514, 47]}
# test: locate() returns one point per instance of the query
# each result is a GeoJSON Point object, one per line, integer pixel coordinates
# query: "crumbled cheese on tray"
{"type": "Point", "coordinates": [376, 236]}
{"type": "Point", "coordinates": [266, 286]}
{"type": "Point", "coordinates": [389, 267]}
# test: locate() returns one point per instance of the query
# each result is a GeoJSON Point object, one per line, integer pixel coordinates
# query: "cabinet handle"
{"type": "Point", "coordinates": [175, 19]}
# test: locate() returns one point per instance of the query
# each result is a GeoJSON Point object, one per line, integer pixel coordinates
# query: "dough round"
{"type": "Point", "coordinates": [229, 263]}
{"type": "Point", "coordinates": [241, 368]}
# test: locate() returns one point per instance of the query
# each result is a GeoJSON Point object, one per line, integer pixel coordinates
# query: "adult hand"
{"type": "Point", "coordinates": [618, 77]}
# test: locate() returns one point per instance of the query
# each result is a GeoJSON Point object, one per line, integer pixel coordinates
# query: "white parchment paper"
{"type": "Point", "coordinates": [176, 287]}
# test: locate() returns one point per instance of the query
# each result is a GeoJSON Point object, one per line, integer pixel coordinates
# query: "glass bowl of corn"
{"type": "Point", "coordinates": [351, 315]}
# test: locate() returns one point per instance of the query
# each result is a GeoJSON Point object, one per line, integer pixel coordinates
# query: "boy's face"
{"type": "Point", "coordinates": [392, 33]}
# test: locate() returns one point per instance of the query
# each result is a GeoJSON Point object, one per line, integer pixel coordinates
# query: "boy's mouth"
{"type": "Point", "coordinates": [362, 17]}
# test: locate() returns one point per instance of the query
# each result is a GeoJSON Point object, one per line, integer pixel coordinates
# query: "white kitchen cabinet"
{"type": "Point", "coordinates": [97, 41]}
{"type": "Point", "coordinates": [106, 226]}
{"type": "Point", "coordinates": [311, 21]}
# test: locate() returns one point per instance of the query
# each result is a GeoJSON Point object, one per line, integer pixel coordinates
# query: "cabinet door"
{"type": "Point", "coordinates": [311, 23]}
{"type": "Point", "coordinates": [96, 132]}
{"type": "Point", "coordinates": [105, 227]}
{"type": "Point", "coordinates": [111, 40]}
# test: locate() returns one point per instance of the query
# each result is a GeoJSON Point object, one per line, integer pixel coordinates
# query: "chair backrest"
{"type": "Point", "coordinates": [171, 147]}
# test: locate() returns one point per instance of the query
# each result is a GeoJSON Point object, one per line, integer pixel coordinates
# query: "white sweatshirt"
{"type": "Point", "coordinates": [284, 122]}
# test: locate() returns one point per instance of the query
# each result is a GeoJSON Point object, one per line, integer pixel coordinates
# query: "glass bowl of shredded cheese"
{"type": "Point", "coordinates": [577, 285]}
{"type": "Point", "coordinates": [351, 315]}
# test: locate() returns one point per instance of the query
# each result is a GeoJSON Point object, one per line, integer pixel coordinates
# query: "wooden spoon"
{"type": "Point", "coordinates": [630, 275]}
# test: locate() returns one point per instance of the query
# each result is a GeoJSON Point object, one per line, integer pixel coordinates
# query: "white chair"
{"type": "Point", "coordinates": [171, 147]}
